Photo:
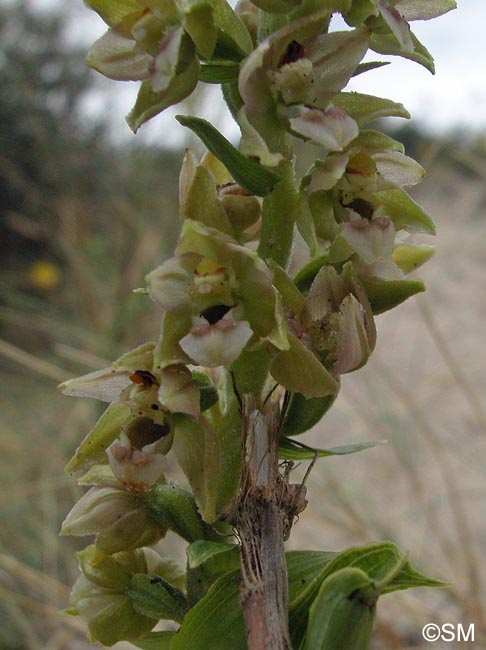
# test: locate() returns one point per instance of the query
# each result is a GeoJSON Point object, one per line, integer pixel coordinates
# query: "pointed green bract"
{"type": "Point", "coordinates": [290, 450]}
{"type": "Point", "coordinates": [250, 175]}
{"type": "Point", "coordinates": [93, 448]}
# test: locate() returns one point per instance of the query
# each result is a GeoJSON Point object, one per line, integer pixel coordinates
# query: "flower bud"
{"type": "Point", "coordinates": [122, 596]}
{"type": "Point", "coordinates": [121, 520]}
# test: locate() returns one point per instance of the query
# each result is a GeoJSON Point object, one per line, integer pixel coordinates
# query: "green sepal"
{"type": "Point", "coordinates": [93, 448]}
{"type": "Point", "coordinates": [366, 108]}
{"type": "Point", "coordinates": [369, 65]}
{"type": "Point", "coordinates": [208, 395]}
{"type": "Point", "coordinates": [340, 616]}
{"type": "Point", "coordinates": [377, 141]}
{"type": "Point", "coordinates": [299, 370]}
{"type": "Point", "coordinates": [386, 294]}
{"type": "Point", "coordinates": [305, 276]}
{"type": "Point", "coordinates": [154, 641]}
{"type": "Point", "coordinates": [149, 103]}
{"type": "Point", "coordinates": [409, 257]}
{"type": "Point", "coordinates": [276, 6]}
{"type": "Point", "coordinates": [234, 40]}
{"type": "Point", "coordinates": [303, 413]}
{"type": "Point", "coordinates": [218, 72]}
{"type": "Point", "coordinates": [290, 450]}
{"type": "Point", "coordinates": [389, 44]}
{"type": "Point", "coordinates": [252, 176]}
{"type": "Point", "coordinates": [176, 508]}
{"type": "Point", "coordinates": [305, 224]}
{"type": "Point", "coordinates": [291, 295]}
{"type": "Point", "coordinates": [201, 202]}
{"type": "Point", "coordinates": [109, 571]}
{"type": "Point", "coordinates": [114, 12]}
{"type": "Point", "coordinates": [198, 23]}
{"type": "Point", "coordinates": [198, 453]}
{"type": "Point", "coordinates": [154, 597]}
{"type": "Point", "coordinates": [405, 213]}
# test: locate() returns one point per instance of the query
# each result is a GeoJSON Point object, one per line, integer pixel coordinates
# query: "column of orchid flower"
{"type": "Point", "coordinates": [233, 321]}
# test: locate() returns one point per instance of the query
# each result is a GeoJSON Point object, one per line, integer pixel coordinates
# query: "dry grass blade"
{"type": "Point", "coordinates": [40, 366]}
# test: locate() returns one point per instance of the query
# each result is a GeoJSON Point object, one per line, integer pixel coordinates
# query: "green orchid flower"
{"type": "Point", "coordinates": [122, 596]}
{"type": "Point", "coordinates": [331, 332]}
{"type": "Point", "coordinates": [295, 73]}
{"type": "Point", "coordinates": [160, 42]}
{"type": "Point", "coordinates": [217, 296]}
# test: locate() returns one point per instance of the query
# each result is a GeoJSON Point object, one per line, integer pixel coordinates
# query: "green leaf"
{"type": "Point", "coordinates": [290, 450]}
{"type": "Point", "coordinates": [216, 621]}
{"type": "Point", "coordinates": [340, 617]}
{"type": "Point", "coordinates": [366, 108]}
{"type": "Point", "coordinates": [93, 448]}
{"type": "Point", "coordinates": [303, 567]}
{"type": "Point", "coordinates": [302, 413]}
{"type": "Point", "coordinates": [252, 176]}
{"type": "Point", "coordinates": [200, 551]}
{"type": "Point", "coordinates": [405, 213]}
{"type": "Point", "coordinates": [376, 560]}
{"type": "Point", "coordinates": [386, 294]}
{"type": "Point", "coordinates": [154, 597]}
{"type": "Point", "coordinates": [218, 72]}
{"type": "Point", "coordinates": [154, 641]}
{"type": "Point", "coordinates": [149, 104]}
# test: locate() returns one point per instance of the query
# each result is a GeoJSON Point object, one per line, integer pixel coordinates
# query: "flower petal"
{"type": "Point", "coordinates": [217, 345]}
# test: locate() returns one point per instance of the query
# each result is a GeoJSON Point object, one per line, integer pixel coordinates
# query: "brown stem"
{"type": "Point", "coordinates": [263, 515]}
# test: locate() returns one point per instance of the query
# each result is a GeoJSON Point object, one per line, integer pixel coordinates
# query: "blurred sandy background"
{"type": "Point", "coordinates": [84, 214]}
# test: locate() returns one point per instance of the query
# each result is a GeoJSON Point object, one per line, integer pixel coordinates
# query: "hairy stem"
{"type": "Point", "coordinates": [263, 515]}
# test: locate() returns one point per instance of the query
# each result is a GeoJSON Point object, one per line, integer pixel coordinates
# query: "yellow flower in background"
{"type": "Point", "coordinates": [44, 275]}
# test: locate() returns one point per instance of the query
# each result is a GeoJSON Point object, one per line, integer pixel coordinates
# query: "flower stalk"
{"type": "Point", "coordinates": [246, 356]}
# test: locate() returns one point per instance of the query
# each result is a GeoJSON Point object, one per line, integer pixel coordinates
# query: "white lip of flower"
{"type": "Point", "coordinates": [137, 469]}
{"type": "Point", "coordinates": [372, 240]}
{"type": "Point", "coordinates": [332, 129]}
{"type": "Point", "coordinates": [216, 345]}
